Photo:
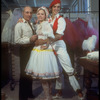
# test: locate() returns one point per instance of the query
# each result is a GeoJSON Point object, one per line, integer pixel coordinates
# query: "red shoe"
{"type": "Point", "coordinates": [81, 96]}
{"type": "Point", "coordinates": [58, 95]}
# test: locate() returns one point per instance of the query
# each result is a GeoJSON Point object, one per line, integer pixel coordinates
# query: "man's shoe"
{"type": "Point", "coordinates": [81, 98]}
{"type": "Point", "coordinates": [82, 94]}
{"type": "Point", "coordinates": [57, 96]}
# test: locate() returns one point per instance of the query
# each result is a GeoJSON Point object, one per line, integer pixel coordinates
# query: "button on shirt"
{"type": "Point", "coordinates": [23, 32]}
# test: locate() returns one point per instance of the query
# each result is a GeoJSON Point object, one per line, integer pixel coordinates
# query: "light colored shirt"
{"type": "Point", "coordinates": [23, 32]}
{"type": "Point", "coordinates": [60, 30]}
{"type": "Point", "coordinates": [61, 24]}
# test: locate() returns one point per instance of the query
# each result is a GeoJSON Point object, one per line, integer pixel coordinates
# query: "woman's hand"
{"type": "Point", "coordinates": [20, 20]}
{"type": "Point", "coordinates": [44, 47]}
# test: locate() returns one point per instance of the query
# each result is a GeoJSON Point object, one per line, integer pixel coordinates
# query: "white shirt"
{"type": "Point", "coordinates": [60, 30]}
{"type": "Point", "coordinates": [23, 32]}
{"type": "Point", "coordinates": [61, 24]}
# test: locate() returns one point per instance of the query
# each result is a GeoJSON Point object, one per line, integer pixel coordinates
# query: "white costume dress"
{"type": "Point", "coordinates": [42, 64]}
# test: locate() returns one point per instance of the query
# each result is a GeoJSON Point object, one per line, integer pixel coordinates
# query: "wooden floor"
{"type": "Point", "coordinates": [68, 92]}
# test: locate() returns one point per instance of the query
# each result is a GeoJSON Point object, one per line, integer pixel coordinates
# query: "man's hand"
{"type": "Point", "coordinates": [20, 20]}
{"type": "Point", "coordinates": [40, 42]}
{"type": "Point", "coordinates": [44, 47]}
{"type": "Point", "coordinates": [33, 38]}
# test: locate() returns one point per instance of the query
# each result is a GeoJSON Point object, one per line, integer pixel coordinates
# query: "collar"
{"type": "Point", "coordinates": [25, 21]}
{"type": "Point", "coordinates": [57, 15]}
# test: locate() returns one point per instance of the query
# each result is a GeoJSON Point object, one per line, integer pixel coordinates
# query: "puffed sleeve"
{"type": "Point", "coordinates": [61, 26]}
{"type": "Point", "coordinates": [47, 30]}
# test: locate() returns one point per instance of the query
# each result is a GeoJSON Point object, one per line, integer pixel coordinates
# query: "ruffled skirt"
{"type": "Point", "coordinates": [42, 64]}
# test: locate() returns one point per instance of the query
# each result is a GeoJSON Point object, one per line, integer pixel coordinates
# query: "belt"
{"type": "Point", "coordinates": [38, 50]}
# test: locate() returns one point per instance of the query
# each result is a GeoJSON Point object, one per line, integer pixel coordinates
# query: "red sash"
{"type": "Point", "coordinates": [55, 26]}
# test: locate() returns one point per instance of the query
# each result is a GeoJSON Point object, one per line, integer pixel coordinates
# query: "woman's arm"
{"type": "Point", "coordinates": [47, 44]}
{"type": "Point", "coordinates": [40, 42]}
{"type": "Point", "coordinates": [52, 40]}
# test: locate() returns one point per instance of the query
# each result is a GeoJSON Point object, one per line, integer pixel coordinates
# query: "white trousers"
{"type": "Point", "coordinates": [65, 62]}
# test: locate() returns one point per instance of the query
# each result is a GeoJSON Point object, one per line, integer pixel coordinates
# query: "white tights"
{"type": "Point", "coordinates": [46, 84]}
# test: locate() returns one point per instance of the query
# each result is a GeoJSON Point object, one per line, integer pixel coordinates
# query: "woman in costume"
{"type": "Point", "coordinates": [42, 63]}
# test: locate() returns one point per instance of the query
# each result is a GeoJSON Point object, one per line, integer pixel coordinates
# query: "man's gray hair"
{"type": "Point", "coordinates": [25, 7]}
